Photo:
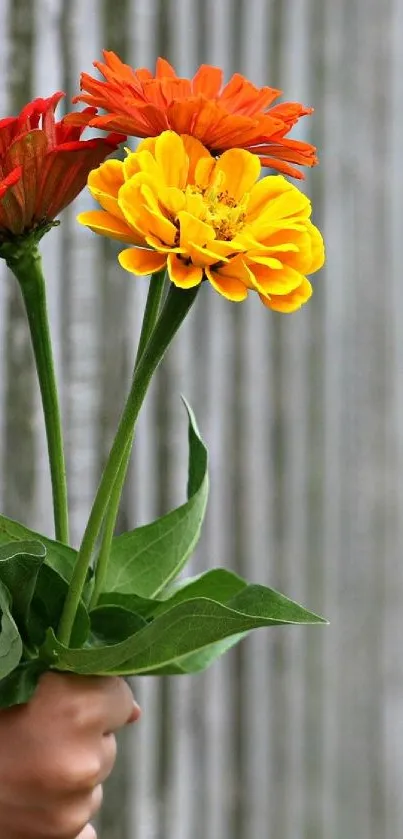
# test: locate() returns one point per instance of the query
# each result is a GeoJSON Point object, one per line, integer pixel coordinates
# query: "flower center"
{"type": "Point", "coordinates": [219, 209]}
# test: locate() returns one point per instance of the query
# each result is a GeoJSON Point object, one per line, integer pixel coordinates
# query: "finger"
{"type": "Point", "coordinates": [119, 705]}
{"type": "Point", "coordinates": [108, 756]}
{"type": "Point", "coordinates": [87, 833]}
{"type": "Point", "coordinates": [96, 800]}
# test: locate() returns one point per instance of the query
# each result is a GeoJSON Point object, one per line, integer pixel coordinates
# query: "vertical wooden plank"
{"type": "Point", "coordinates": [393, 665]}
{"type": "Point", "coordinates": [254, 476]}
{"type": "Point", "coordinates": [82, 369]}
{"type": "Point", "coordinates": [291, 476]}
{"type": "Point", "coordinates": [338, 335]}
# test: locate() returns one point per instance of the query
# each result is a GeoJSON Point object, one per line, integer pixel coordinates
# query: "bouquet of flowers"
{"type": "Point", "coordinates": [189, 206]}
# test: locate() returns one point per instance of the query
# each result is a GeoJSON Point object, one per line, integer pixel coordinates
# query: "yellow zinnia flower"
{"type": "Point", "coordinates": [208, 218]}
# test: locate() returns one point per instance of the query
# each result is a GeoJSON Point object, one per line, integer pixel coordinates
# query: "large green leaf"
{"type": "Point", "coordinates": [187, 628]}
{"type": "Point", "coordinates": [10, 639]}
{"type": "Point", "coordinates": [58, 556]}
{"type": "Point", "coordinates": [145, 560]}
{"type": "Point", "coordinates": [218, 584]}
{"type": "Point", "coordinates": [19, 567]}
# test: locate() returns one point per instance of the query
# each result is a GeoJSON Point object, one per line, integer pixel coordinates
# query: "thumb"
{"type": "Point", "coordinates": [134, 716]}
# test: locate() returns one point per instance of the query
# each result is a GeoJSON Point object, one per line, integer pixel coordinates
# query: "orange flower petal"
{"type": "Point", "coordinates": [142, 261]}
{"type": "Point", "coordinates": [208, 81]}
{"type": "Point", "coordinates": [239, 114]}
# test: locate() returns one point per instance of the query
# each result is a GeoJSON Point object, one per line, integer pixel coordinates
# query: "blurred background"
{"type": "Point", "coordinates": [298, 733]}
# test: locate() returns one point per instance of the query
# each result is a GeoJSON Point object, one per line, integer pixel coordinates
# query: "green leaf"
{"type": "Point", "coordinates": [145, 560]}
{"type": "Point", "coordinates": [20, 684]}
{"type": "Point", "coordinates": [58, 556]}
{"type": "Point", "coordinates": [47, 603]}
{"type": "Point", "coordinates": [19, 567]}
{"type": "Point", "coordinates": [111, 624]}
{"type": "Point", "coordinates": [218, 584]}
{"type": "Point", "coordinates": [187, 628]}
{"type": "Point", "coordinates": [197, 662]}
{"type": "Point", "coordinates": [10, 639]}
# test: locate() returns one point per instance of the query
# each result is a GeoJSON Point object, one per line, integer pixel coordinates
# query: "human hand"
{"type": "Point", "coordinates": [55, 753]}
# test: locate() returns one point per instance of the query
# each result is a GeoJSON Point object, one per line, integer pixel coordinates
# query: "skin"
{"type": "Point", "coordinates": [55, 753]}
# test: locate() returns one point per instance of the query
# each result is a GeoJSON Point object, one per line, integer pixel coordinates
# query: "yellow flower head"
{"type": "Point", "coordinates": [208, 218]}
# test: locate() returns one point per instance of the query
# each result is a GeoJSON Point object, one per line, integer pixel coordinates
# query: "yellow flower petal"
{"type": "Point", "coordinates": [141, 261]}
{"type": "Point", "coordinates": [140, 209]}
{"type": "Point", "coordinates": [194, 231]}
{"type": "Point", "coordinates": [194, 204]}
{"type": "Point", "coordinates": [155, 243]}
{"type": "Point", "coordinates": [148, 144]}
{"type": "Point", "coordinates": [279, 281]}
{"type": "Point", "coordinates": [268, 261]}
{"type": "Point", "coordinates": [265, 191]}
{"type": "Point", "coordinates": [293, 205]}
{"type": "Point", "coordinates": [172, 199]}
{"type": "Point", "coordinates": [104, 184]}
{"type": "Point", "coordinates": [195, 152]}
{"type": "Point", "coordinates": [145, 163]}
{"type": "Point", "coordinates": [241, 170]}
{"type": "Point", "coordinates": [230, 287]}
{"type": "Point", "coordinates": [107, 178]}
{"type": "Point", "coordinates": [172, 159]}
{"type": "Point", "coordinates": [204, 172]}
{"type": "Point", "coordinates": [289, 302]}
{"type": "Point", "coordinates": [318, 249]}
{"type": "Point", "coordinates": [106, 224]}
{"type": "Point", "coordinates": [183, 273]}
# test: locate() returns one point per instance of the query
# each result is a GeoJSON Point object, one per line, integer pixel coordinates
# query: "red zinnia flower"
{"type": "Point", "coordinates": [237, 115]}
{"type": "Point", "coordinates": [43, 165]}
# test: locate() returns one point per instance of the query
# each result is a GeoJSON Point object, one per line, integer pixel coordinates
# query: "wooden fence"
{"type": "Point", "coordinates": [298, 733]}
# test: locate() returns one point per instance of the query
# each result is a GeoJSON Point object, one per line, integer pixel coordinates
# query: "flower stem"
{"type": "Point", "coordinates": [26, 264]}
{"type": "Point", "coordinates": [176, 307]}
{"type": "Point", "coordinates": [151, 311]}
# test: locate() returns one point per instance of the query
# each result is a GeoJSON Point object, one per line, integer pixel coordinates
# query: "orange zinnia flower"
{"type": "Point", "coordinates": [43, 165]}
{"type": "Point", "coordinates": [208, 219]}
{"type": "Point", "coordinates": [237, 115]}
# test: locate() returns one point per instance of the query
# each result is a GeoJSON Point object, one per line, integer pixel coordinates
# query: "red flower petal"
{"type": "Point", "coordinates": [44, 164]}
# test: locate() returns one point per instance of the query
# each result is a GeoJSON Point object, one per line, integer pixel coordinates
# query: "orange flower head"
{"type": "Point", "coordinates": [236, 115]}
{"type": "Point", "coordinates": [208, 219]}
{"type": "Point", "coordinates": [43, 166]}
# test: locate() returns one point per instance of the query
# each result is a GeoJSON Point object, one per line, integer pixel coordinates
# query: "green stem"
{"type": "Point", "coordinates": [26, 264]}
{"type": "Point", "coordinates": [151, 311]}
{"type": "Point", "coordinates": [177, 305]}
